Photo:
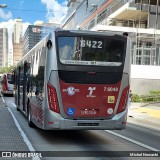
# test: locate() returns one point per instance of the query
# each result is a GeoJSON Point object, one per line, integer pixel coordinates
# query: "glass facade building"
{"type": "Point", "coordinates": [33, 35]}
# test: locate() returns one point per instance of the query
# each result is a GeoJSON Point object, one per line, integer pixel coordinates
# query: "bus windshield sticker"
{"type": "Point", "coordinates": [70, 111]}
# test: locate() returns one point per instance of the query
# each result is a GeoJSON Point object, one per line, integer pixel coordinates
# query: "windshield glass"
{"type": "Point", "coordinates": [10, 78]}
{"type": "Point", "coordinates": [91, 51]}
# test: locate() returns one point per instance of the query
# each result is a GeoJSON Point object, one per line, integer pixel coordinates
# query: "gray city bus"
{"type": "Point", "coordinates": [75, 80]}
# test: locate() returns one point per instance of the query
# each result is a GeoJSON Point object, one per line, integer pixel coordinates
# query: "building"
{"type": "Point", "coordinates": [32, 36]}
{"type": "Point", "coordinates": [10, 58]}
{"type": "Point", "coordinates": [3, 47]}
{"type": "Point", "coordinates": [35, 33]}
{"type": "Point", "coordinates": [18, 30]}
{"type": "Point", "coordinates": [17, 40]}
{"type": "Point", "coordinates": [17, 52]}
{"type": "Point", "coordinates": [140, 18]}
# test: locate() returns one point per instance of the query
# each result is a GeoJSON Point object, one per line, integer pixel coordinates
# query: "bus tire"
{"type": "Point", "coordinates": [30, 123]}
{"type": "Point", "coordinates": [18, 108]}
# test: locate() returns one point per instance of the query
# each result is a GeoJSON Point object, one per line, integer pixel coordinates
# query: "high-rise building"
{"type": "Point", "coordinates": [17, 40]}
{"type": "Point", "coordinates": [18, 30]}
{"type": "Point", "coordinates": [34, 34]}
{"type": "Point", "coordinates": [3, 47]}
{"type": "Point", "coordinates": [17, 52]}
{"type": "Point", "coordinates": [10, 58]}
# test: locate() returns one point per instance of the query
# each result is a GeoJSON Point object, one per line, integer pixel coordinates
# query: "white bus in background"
{"type": "Point", "coordinates": [7, 86]}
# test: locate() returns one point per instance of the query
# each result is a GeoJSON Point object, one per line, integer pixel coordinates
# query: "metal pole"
{"type": "Point", "coordinates": [96, 7]}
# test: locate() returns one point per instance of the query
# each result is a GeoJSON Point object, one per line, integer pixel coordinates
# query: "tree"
{"type": "Point", "coordinates": [6, 69]}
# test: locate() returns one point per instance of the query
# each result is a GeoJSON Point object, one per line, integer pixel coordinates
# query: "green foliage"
{"type": "Point", "coordinates": [6, 69]}
{"type": "Point", "coordinates": [135, 98]}
{"type": "Point", "coordinates": [153, 96]}
{"type": "Point", "coordinates": [154, 92]}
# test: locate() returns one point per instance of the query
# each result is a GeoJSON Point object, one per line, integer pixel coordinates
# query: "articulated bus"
{"type": "Point", "coordinates": [75, 80]}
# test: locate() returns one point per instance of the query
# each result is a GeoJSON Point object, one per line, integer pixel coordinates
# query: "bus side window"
{"type": "Point", "coordinates": [28, 76]}
{"type": "Point", "coordinates": [21, 75]}
{"type": "Point", "coordinates": [39, 64]}
{"type": "Point", "coordinates": [15, 79]}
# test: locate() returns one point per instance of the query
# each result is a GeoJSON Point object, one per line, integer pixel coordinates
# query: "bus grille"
{"type": "Point", "coordinates": [85, 78]}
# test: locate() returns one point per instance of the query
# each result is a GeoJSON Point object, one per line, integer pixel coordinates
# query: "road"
{"type": "Point", "coordinates": [133, 138]}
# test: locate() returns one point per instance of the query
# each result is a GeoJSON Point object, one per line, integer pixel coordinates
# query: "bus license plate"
{"type": "Point", "coordinates": [89, 112]}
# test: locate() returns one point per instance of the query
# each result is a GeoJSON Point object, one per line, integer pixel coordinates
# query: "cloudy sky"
{"type": "Point", "coordinates": [31, 11]}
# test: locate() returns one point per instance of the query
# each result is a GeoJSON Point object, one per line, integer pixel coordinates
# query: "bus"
{"type": "Point", "coordinates": [75, 80]}
{"type": "Point", "coordinates": [7, 86]}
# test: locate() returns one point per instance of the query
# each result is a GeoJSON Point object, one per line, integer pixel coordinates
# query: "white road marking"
{"type": "Point", "coordinates": [3, 99]}
{"type": "Point", "coordinates": [14, 104]}
{"type": "Point", "coordinates": [26, 140]}
{"type": "Point", "coordinates": [133, 141]}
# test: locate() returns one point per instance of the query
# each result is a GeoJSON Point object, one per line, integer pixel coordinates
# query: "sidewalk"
{"type": "Point", "coordinates": [10, 136]}
{"type": "Point", "coordinates": [145, 115]}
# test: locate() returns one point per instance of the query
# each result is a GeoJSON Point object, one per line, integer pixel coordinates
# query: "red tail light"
{"type": "Point", "coordinates": [5, 83]}
{"type": "Point", "coordinates": [52, 98]}
{"type": "Point", "coordinates": [123, 100]}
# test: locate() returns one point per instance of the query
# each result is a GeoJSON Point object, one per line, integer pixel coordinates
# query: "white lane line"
{"type": "Point", "coordinates": [14, 104]}
{"type": "Point", "coordinates": [26, 140]}
{"type": "Point", "coordinates": [3, 99]}
{"type": "Point", "coordinates": [133, 141]}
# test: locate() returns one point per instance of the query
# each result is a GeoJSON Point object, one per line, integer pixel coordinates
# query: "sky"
{"type": "Point", "coordinates": [31, 11]}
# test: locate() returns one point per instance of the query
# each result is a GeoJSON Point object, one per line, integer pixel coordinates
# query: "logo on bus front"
{"type": "Point", "coordinates": [71, 91]}
{"type": "Point", "coordinates": [91, 89]}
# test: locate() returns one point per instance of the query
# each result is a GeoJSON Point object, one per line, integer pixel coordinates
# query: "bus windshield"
{"type": "Point", "coordinates": [91, 51]}
{"type": "Point", "coordinates": [10, 78]}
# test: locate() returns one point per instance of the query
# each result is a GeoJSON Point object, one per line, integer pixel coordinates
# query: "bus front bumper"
{"type": "Point", "coordinates": [118, 122]}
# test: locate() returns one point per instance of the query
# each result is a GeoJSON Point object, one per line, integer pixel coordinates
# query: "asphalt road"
{"type": "Point", "coordinates": [133, 138]}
